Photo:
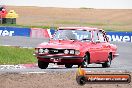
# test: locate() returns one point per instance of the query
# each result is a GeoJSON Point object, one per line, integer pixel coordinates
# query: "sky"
{"type": "Point", "coordinates": [99, 4]}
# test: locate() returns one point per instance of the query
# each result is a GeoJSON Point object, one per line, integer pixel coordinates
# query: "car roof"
{"type": "Point", "coordinates": [81, 28]}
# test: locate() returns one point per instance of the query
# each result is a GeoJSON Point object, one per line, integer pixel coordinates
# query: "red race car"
{"type": "Point", "coordinates": [76, 46]}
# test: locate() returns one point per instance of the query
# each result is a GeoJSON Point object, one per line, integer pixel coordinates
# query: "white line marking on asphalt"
{"type": "Point", "coordinates": [32, 72]}
{"type": "Point", "coordinates": [11, 67]}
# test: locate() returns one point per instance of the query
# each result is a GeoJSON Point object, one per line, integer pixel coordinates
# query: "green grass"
{"type": "Point", "coordinates": [14, 55]}
{"type": "Point", "coordinates": [104, 26]}
{"type": "Point", "coordinates": [79, 23]}
{"type": "Point", "coordinates": [24, 26]}
{"type": "Point", "coordinates": [89, 23]}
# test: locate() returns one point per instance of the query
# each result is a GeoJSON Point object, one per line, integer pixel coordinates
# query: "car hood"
{"type": "Point", "coordinates": [63, 44]}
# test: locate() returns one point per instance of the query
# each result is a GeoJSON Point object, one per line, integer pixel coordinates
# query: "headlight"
{"type": "Point", "coordinates": [72, 51]}
{"type": "Point", "coordinates": [66, 51]}
{"type": "Point", "coordinates": [77, 52]}
{"type": "Point", "coordinates": [40, 50]}
{"type": "Point", "coordinates": [46, 51]}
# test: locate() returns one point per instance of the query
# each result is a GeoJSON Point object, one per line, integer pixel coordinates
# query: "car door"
{"type": "Point", "coordinates": [95, 49]}
{"type": "Point", "coordinates": [104, 47]}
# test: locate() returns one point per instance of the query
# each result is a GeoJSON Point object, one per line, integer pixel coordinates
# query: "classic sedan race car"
{"type": "Point", "coordinates": [76, 46]}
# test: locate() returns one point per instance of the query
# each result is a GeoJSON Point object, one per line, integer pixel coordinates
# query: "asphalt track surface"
{"type": "Point", "coordinates": [121, 63]}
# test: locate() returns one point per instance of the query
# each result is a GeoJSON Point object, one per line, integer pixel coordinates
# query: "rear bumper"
{"type": "Point", "coordinates": [115, 55]}
{"type": "Point", "coordinates": [60, 59]}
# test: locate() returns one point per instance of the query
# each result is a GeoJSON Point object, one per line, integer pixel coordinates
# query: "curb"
{"type": "Point", "coordinates": [26, 66]}
{"type": "Point", "coordinates": [19, 66]}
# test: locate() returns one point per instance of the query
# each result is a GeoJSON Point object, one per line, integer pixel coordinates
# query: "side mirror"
{"type": "Point", "coordinates": [97, 41]}
{"type": "Point", "coordinates": [50, 39]}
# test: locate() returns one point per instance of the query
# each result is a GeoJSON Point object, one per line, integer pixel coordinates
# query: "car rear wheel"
{"type": "Point", "coordinates": [68, 65]}
{"type": "Point", "coordinates": [108, 63]}
{"type": "Point", "coordinates": [85, 62]}
{"type": "Point", "coordinates": [42, 65]}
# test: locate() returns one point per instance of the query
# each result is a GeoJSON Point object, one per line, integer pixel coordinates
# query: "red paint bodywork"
{"type": "Point", "coordinates": [98, 51]}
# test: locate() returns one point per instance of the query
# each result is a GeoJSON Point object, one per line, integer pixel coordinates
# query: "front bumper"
{"type": "Point", "coordinates": [58, 56]}
{"type": "Point", "coordinates": [60, 59]}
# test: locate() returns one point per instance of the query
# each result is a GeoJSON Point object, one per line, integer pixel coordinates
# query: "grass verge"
{"type": "Point", "coordinates": [104, 26]}
{"type": "Point", "coordinates": [24, 26]}
{"type": "Point", "coordinates": [14, 55]}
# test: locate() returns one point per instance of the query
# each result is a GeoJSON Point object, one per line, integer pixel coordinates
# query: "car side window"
{"type": "Point", "coordinates": [101, 37]}
{"type": "Point", "coordinates": [95, 36]}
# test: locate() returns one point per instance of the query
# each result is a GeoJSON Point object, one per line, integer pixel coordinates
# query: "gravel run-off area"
{"type": "Point", "coordinates": [49, 80]}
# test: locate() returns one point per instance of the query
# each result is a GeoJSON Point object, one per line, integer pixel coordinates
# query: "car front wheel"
{"type": "Point", "coordinates": [85, 62]}
{"type": "Point", "coordinates": [108, 63]}
{"type": "Point", "coordinates": [42, 65]}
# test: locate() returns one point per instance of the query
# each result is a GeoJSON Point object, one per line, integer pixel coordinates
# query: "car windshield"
{"type": "Point", "coordinates": [72, 35]}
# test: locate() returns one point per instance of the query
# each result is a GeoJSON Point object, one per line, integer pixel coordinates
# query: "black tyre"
{"type": "Point", "coordinates": [42, 65]}
{"type": "Point", "coordinates": [81, 80]}
{"type": "Point", "coordinates": [85, 62]}
{"type": "Point", "coordinates": [68, 65]}
{"type": "Point", "coordinates": [108, 63]}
